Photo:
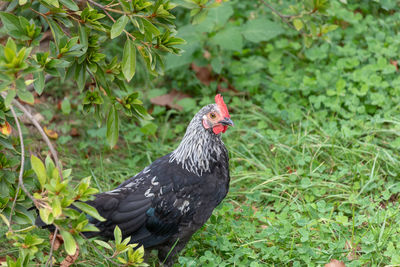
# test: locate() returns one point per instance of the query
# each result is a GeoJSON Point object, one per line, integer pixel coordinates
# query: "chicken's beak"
{"type": "Point", "coordinates": [226, 121]}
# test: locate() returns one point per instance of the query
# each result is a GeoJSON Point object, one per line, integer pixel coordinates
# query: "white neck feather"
{"type": "Point", "coordinates": [198, 148]}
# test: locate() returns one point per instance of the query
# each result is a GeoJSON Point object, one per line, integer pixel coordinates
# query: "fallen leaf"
{"type": "Point", "coordinates": [203, 74]}
{"type": "Point", "coordinates": [29, 76]}
{"type": "Point", "coordinates": [254, 208]}
{"type": "Point", "coordinates": [5, 128]}
{"type": "Point", "coordinates": [394, 63]}
{"type": "Point", "coordinates": [74, 132]}
{"type": "Point", "coordinates": [335, 263]}
{"type": "Point", "coordinates": [50, 133]}
{"type": "Point", "coordinates": [206, 54]}
{"type": "Point", "coordinates": [69, 260]}
{"type": "Point", "coordinates": [57, 242]}
{"type": "Point", "coordinates": [169, 100]}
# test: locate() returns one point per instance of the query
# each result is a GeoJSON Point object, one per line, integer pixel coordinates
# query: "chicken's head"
{"type": "Point", "coordinates": [217, 118]}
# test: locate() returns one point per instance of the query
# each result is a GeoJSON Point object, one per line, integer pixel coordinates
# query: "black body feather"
{"type": "Point", "coordinates": [171, 198]}
{"type": "Point", "coordinates": [162, 203]}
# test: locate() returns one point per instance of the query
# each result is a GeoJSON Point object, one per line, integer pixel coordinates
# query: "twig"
{"type": "Point", "coordinates": [21, 170]}
{"type": "Point", "coordinates": [52, 248]}
{"type": "Point", "coordinates": [98, 251]}
{"type": "Point", "coordinates": [3, 6]}
{"type": "Point", "coordinates": [43, 134]}
{"type": "Point", "coordinates": [13, 206]}
{"type": "Point", "coordinates": [282, 16]}
{"type": "Point", "coordinates": [41, 131]}
{"type": "Point", "coordinates": [276, 11]}
{"type": "Point", "coordinates": [105, 9]}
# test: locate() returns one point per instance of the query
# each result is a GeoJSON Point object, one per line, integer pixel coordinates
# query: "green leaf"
{"type": "Point", "coordinates": [56, 31]}
{"type": "Point", "coordinates": [112, 127]}
{"type": "Point", "coordinates": [39, 169]}
{"type": "Point", "coordinates": [261, 29]}
{"type": "Point", "coordinates": [25, 96]}
{"type": "Point", "coordinates": [119, 26]}
{"type": "Point", "coordinates": [103, 244]}
{"type": "Point", "coordinates": [5, 220]}
{"type": "Point", "coordinates": [10, 97]}
{"type": "Point", "coordinates": [11, 46]}
{"type": "Point", "coordinates": [200, 16]}
{"type": "Point", "coordinates": [69, 242]}
{"type": "Point", "coordinates": [83, 37]}
{"type": "Point", "coordinates": [70, 4]}
{"type": "Point", "coordinates": [38, 84]}
{"type": "Point", "coordinates": [80, 76]}
{"type": "Point", "coordinates": [342, 219]}
{"type": "Point", "coordinates": [52, 2]}
{"type": "Point", "coordinates": [149, 128]}
{"type": "Point", "coordinates": [298, 24]}
{"type": "Point", "coordinates": [117, 235]}
{"type": "Point", "coordinates": [129, 60]}
{"type": "Point", "coordinates": [149, 27]}
{"type": "Point", "coordinates": [66, 173]}
{"type": "Point", "coordinates": [10, 22]}
{"type": "Point", "coordinates": [89, 210]}
{"type": "Point", "coordinates": [56, 207]}
{"type": "Point", "coordinates": [187, 103]}
{"type": "Point", "coordinates": [46, 216]}
{"type": "Point", "coordinates": [216, 18]}
{"type": "Point", "coordinates": [66, 106]}
{"type": "Point", "coordinates": [49, 165]}
{"type": "Point", "coordinates": [217, 64]}
{"type": "Point", "coordinates": [221, 14]}
{"type": "Point", "coordinates": [328, 28]}
{"type": "Point", "coordinates": [138, 24]}
{"type": "Point", "coordinates": [229, 39]}
{"type": "Point", "coordinates": [90, 228]}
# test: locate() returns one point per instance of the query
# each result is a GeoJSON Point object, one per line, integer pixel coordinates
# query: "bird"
{"type": "Point", "coordinates": [169, 200]}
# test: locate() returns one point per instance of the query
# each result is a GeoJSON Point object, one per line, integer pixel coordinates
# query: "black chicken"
{"type": "Point", "coordinates": [174, 196]}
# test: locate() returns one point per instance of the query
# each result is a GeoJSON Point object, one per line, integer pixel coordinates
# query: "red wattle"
{"type": "Point", "coordinates": [219, 128]}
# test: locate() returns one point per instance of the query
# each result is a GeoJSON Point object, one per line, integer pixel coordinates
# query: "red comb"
{"type": "Point", "coordinates": [222, 107]}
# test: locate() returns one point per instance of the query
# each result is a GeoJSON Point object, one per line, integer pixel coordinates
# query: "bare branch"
{"type": "Point", "coordinates": [21, 171]}
{"type": "Point", "coordinates": [43, 134]}
{"type": "Point", "coordinates": [3, 5]}
{"type": "Point", "coordinates": [282, 16]}
{"type": "Point", "coordinates": [52, 248]}
{"type": "Point", "coordinates": [41, 131]}
{"type": "Point", "coordinates": [276, 11]}
{"type": "Point", "coordinates": [105, 9]}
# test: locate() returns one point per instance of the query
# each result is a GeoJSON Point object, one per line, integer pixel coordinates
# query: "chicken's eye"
{"type": "Point", "coordinates": [212, 115]}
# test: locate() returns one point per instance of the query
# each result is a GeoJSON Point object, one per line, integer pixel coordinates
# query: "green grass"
{"type": "Point", "coordinates": [314, 153]}
{"type": "Point", "coordinates": [300, 197]}
{"type": "Point", "coordinates": [300, 193]}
